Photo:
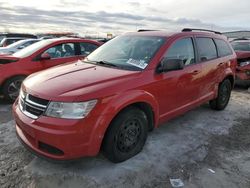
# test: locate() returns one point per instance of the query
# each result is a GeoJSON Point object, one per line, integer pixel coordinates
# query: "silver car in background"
{"type": "Point", "coordinates": [17, 46]}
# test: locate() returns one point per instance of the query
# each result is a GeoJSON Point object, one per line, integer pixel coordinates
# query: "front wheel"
{"type": "Point", "coordinates": [126, 135]}
{"type": "Point", "coordinates": [11, 88]}
{"type": "Point", "coordinates": [223, 97]}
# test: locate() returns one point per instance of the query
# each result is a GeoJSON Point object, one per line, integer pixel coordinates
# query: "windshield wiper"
{"type": "Point", "coordinates": [101, 63]}
{"type": "Point", "coordinates": [106, 63]}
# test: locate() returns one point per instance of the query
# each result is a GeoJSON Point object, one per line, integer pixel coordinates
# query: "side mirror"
{"type": "Point", "coordinates": [170, 65]}
{"type": "Point", "coordinates": [45, 56]}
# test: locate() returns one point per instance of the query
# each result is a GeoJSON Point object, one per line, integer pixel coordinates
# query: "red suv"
{"type": "Point", "coordinates": [37, 57]}
{"type": "Point", "coordinates": [122, 90]}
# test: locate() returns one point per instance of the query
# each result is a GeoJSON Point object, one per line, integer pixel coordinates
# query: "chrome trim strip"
{"type": "Point", "coordinates": [30, 115]}
{"type": "Point", "coordinates": [34, 103]}
{"type": "Point", "coordinates": [30, 105]}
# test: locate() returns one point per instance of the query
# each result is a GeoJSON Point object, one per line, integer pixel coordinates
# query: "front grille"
{"type": "Point", "coordinates": [32, 106]}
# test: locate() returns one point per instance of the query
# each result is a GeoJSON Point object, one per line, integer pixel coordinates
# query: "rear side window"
{"type": "Point", "coordinates": [87, 48]}
{"type": "Point", "coordinates": [182, 49]}
{"type": "Point", "coordinates": [223, 48]}
{"type": "Point", "coordinates": [206, 48]}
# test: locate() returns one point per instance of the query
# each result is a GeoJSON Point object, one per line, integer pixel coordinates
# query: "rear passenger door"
{"type": "Point", "coordinates": [208, 58]}
{"type": "Point", "coordinates": [224, 51]}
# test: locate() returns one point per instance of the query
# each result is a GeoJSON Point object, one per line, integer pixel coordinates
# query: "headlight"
{"type": "Point", "coordinates": [245, 63]}
{"type": "Point", "coordinates": [70, 110]}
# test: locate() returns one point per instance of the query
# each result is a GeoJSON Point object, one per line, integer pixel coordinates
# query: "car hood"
{"type": "Point", "coordinates": [77, 81]}
{"type": "Point", "coordinates": [5, 59]}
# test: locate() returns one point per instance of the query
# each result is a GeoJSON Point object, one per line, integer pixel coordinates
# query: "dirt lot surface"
{"type": "Point", "coordinates": [204, 148]}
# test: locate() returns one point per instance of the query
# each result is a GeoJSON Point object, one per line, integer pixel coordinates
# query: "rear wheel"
{"type": "Point", "coordinates": [223, 97]}
{"type": "Point", "coordinates": [11, 88]}
{"type": "Point", "coordinates": [126, 135]}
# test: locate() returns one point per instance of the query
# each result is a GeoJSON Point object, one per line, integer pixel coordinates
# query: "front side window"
{"type": "Point", "coordinates": [206, 48]}
{"type": "Point", "coordinates": [223, 48]}
{"type": "Point", "coordinates": [61, 50]}
{"type": "Point", "coordinates": [182, 49]}
{"type": "Point", "coordinates": [127, 52]}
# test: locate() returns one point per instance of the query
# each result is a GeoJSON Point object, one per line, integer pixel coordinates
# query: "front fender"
{"type": "Point", "coordinates": [124, 99]}
{"type": "Point", "coordinates": [111, 106]}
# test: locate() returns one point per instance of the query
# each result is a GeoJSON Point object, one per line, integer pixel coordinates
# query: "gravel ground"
{"type": "Point", "coordinates": [204, 148]}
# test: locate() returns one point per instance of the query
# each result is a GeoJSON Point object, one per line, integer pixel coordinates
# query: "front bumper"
{"type": "Point", "coordinates": [59, 139]}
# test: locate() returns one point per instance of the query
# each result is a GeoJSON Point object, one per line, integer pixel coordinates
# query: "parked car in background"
{"type": "Point", "coordinates": [36, 57]}
{"type": "Point", "coordinates": [17, 46]}
{"type": "Point", "coordinates": [242, 49]}
{"type": "Point", "coordinates": [23, 35]}
{"type": "Point", "coordinates": [131, 84]}
{"type": "Point", "coordinates": [7, 41]}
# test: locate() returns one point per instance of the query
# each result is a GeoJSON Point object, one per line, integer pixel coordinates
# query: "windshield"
{"type": "Point", "coordinates": [31, 49]}
{"type": "Point", "coordinates": [241, 46]}
{"type": "Point", "coordinates": [127, 52]}
{"type": "Point", "coordinates": [1, 38]}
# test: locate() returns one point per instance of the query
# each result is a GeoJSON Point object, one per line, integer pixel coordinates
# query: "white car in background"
{"type": "Point", "coordinates": [17, 46]}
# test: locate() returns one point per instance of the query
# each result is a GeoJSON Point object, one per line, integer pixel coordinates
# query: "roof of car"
{"type": "Point", "coordinates": [68, 39]}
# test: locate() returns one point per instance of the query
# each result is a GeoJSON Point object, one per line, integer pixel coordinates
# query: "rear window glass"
{"type": "Point", "coordinates": [223, 48]}
{"type": "Point", "coordinates": [241, 46]}
{"type": "Point", "coordinates": [206, 48]}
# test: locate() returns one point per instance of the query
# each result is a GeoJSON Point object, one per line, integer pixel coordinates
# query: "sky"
{"type": "Point", "coordinates": [99, 17]}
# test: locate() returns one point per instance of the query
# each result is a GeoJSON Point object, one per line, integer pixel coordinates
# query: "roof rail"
{"type": "Point", "coordinates": [143, 30]}
{"type": "Point", "coordinates": [192, 29]}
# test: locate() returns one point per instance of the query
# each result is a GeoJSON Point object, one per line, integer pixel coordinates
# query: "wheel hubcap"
{"type": "Point", "coordinates": [129, 135]}
{"type": "Point", "coordinates": [13, 89]}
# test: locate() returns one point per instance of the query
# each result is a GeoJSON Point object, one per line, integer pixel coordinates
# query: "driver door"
{"type": "Point", "coordinates": [179, 88]}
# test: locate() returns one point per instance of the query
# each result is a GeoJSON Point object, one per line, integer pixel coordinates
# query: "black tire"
{"type": "Point", "coordinates": [224, 93]}
{"type": "Point", "coordinates": [126, 135]}
{"type": "Point", "coordinates": [11, 88]}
